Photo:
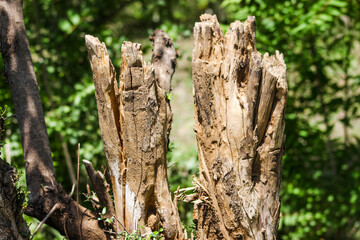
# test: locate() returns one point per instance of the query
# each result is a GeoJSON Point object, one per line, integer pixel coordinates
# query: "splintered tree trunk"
{"type": "Point", "coordinates": [240, 100]}
{"type": "Point", "coordinates": [135, 121]}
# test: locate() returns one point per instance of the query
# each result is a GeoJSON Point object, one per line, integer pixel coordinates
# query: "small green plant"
{"type": "Point", "coordinates": [136, 235]}
{"type": "Point", "coordinates": [155, 235]}
{"type": "Point", "coordinates": [2, 124]}
{"type": "Point", "coordinates": [21, 189]}
{"type": "Point", "coordinates": [105, 219]}
{"type": "Point", "coordinates": [168, 96]}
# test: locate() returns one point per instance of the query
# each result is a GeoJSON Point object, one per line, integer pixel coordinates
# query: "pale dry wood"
{"type": "Point", "coordinates": [240, 101]}
{"type": "Point", "coordinates": [144, 118]}
{"type": "Point", "coordinates": [134, 122]}
{"type": "Point", "coordinates": [107, 97]}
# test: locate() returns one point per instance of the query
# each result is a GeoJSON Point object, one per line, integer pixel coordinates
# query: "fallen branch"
{"type": "Point", "coordinates": [53, 209]}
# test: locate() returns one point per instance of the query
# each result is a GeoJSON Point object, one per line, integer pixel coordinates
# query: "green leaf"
{"type": "Point", "coordinates": [303, 133]}
{"type": "Point", "coordinates": [338, 3]}
{"type": "Point", "coordinates": [64, 25]}
{"type": "Point", "coordinates": [333, 11]}
{"type": "Point", "coordinates": [103, 211]}
{"type": "Point", "coordinates": [75, 19]}
{"type": "Point", "coordinates": [299, 28]}
{"type": "Point", "coordinates": [325, 17]}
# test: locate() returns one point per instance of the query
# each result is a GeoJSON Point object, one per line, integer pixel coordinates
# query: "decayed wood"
{"type": "Point", "coordinates": [240, 100]}
{"type": "Point", "coordinates": [134, 122]}
{"type": "Point", "coordinates": [107, 97]}
{"type": "Point", "coordinates": [164, 63]}
{"type": "Point", "coordinates": [163, 59]}
{"type": "Point", "coordinates": [101, 189]}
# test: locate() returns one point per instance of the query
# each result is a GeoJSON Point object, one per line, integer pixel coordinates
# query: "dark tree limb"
{"type": "Point", "coordinates": [19, 70]}
{"type": "Point", "coordinates": [101, 189]}
{"type": "Point", "coordinates": [12, 224]}
{"type": "Point", "coordinates": [45, 191]}
{"type": "Point", "coordinates": [164, 63]}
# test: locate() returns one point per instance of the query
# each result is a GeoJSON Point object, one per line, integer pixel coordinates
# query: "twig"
{"type": "Point", "coordinates": [122, 226]}
{"type": "Point", "coordinates": [56, 206]}
{"type": "Point", "coordinates": [67, 237]}
{"type": "Point", "coordinates": [72, 190]}
{"type": "Point", "coordinates": [77, 188]}
{"type": "Point", "coordinates": [78, 174]}
{"type": "Point", "coordinates": [197, 183]}
{"type": "Point", "coordinates": [11, 116]}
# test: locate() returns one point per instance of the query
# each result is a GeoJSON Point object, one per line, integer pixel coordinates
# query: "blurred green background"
{"type": "Point", "coordinates": [321, 44]}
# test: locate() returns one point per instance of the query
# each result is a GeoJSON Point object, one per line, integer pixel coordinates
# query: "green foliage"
{"type": "Point", "coordinates": [168, 96]}
{"type": "Point", "coordinates": [181, 168]}
{"type": "Point", "coordinates": [2, 127]}
{"type": "Point", "coordinates": [320, 41]}
{"type": "Point", "coordinates": [136, 235]}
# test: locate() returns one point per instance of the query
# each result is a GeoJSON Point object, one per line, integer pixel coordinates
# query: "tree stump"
{"type": "Point", "coordinates": [135, 121]}
{"type": "Point", "coordinates": [240, 100]}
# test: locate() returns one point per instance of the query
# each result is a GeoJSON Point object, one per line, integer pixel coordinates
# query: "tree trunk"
{"type": "Point", "coordinates": [240, 100]}
{"type": "Point", "coordinates": [135, 121]}
{"type": "Point", "coordinates": [69, 219]}
{"type": "Point", "coordinates": [12, 224]}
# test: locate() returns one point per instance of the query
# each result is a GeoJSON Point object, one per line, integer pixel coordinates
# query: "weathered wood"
{"type": "Point", "coordinates": [240, 101]}
{"type": "Point", "coordinates": [107, 98]}
{"type": "Point", "coordinates": [163, 59]}
{"type": "Point", "coordinates": [164, 63]}
{"type": "Point", "coordinates": [134, 122]}
{"type": "Point", "coordinates": [101, 189]}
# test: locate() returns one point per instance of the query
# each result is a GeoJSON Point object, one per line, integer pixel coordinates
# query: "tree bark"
{"type": "Point", "coordinates": [70, 219]}
{"type": "Point", "coordinates": [134, 121]}
{"type": "Point", "coordinates": [240, 100]}
{"type": "Point", "coordinates": [101, 188]}
{"type": "Point", "coordinates": [12, 224]}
